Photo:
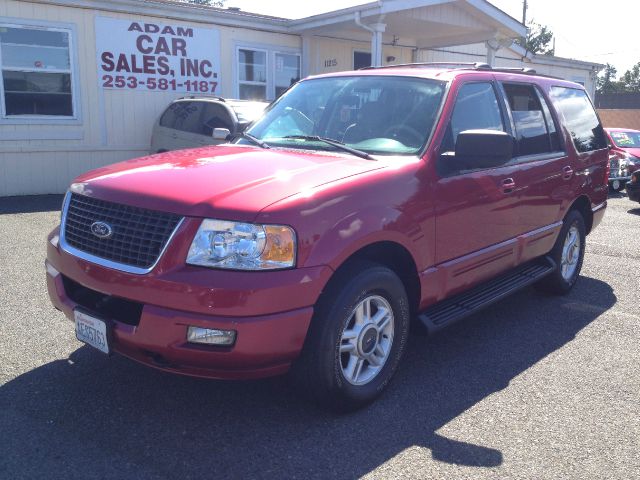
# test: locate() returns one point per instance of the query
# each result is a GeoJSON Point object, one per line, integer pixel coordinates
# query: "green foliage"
{"type": "Point", "coordinates": [606, 82]}
{"type": "Point", "coordinates": [538, 40]}
{"type": "Point", "coordinates": [628, 82]}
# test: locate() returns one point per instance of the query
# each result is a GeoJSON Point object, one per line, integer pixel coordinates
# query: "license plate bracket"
{"type": "Point", "coordinates": [93, 331]}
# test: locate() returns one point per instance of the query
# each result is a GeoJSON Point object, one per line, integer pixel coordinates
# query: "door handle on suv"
{"type": "Point", "coordinates": [508, 185]}
{"type": "Point", "coordinates": [567, 173]}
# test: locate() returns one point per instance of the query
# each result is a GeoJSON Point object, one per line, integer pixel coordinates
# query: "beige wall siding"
{"type": "Point", "coordinates": [338, 54]}
{"type": "Point", "coordinates": [114, 124]}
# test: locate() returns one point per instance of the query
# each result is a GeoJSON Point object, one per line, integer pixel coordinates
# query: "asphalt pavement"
{"type": "Point", "coordinates": [535, 387]}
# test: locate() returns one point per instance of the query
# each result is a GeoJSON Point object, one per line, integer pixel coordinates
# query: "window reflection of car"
{"type": "Point", "coordinates": [191, 122]}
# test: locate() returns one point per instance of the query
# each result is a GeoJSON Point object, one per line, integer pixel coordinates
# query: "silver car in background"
{"type": "Point", "coordinates": [191, 122]}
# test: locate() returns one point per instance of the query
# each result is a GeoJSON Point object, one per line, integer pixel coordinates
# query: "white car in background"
{"type": "Point", "coordinates": [191, 122]}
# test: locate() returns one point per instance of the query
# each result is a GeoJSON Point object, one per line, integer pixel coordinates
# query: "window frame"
{"type": "Point", "coordinates": [505, 115]}
{"type": "Point", "coordinates": [517, 159]}
{"type": "Point", "coordinates": [71, 31]}
{"type": "Point", "coordinates": [270, 51]}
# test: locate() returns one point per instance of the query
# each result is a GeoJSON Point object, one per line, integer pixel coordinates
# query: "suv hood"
{"type": "Point", "coordinates": [231, 182]}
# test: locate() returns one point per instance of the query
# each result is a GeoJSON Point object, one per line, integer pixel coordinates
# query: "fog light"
{"type": "Point", "coordinates": [210, 336]}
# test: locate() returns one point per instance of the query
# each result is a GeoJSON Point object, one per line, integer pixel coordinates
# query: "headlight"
{"type": "Point", "coordinates": [242, 246]}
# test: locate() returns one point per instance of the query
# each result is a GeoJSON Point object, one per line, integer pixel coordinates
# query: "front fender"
{"type": "Point", "coordinates": [359, 229]}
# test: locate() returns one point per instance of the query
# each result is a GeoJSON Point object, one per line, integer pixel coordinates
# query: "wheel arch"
{"type": "Point", "coordinates": [583, 205]}
{"type": "Point", "coordinates": [392, 255]}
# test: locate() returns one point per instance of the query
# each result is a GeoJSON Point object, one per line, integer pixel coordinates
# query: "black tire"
{"type": "Point", "coordinates": [318, 372]}
{"type": "Point", "coordinates": [555, 283]}
{"type": "Point", "coordinates": [620, 188]}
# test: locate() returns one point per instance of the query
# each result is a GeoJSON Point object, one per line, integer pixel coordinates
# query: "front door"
{"type": "Point", "coordinates": [476, 210]}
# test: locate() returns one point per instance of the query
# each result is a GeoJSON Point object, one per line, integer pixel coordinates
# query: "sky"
{"type": "Point", "coordinates": [602, 32]}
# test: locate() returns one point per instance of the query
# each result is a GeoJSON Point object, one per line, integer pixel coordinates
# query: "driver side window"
{"type": "Point", "coordinates": [476, 107]}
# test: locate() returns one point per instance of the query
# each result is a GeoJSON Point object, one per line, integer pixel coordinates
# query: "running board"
{"type": "Point", "coordinates": [450, 310]}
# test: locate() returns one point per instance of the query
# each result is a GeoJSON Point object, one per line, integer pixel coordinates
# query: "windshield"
{"type": "Point", "coordinates": [373, 114]}
{"type": "Point", "coordinates": [626, 139]}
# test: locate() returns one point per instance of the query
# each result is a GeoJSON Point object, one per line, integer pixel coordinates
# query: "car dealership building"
{"type": "Point", "coordinates": [84, 80]}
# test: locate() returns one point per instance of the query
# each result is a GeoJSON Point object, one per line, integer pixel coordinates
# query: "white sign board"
{"type": "Point", "coordinates": [136, 55]}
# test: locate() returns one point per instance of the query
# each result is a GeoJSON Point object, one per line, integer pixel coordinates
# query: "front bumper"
{"type": "Point", "coordinates": [633, 191]}
{"type": "Point", "coordinates": [270, 311]}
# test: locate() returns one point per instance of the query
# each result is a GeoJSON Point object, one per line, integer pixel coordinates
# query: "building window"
{"type": "Point", "coordinates": [287, 71]}
{"type": "Point", "coordinates": [252, 69]}
{"type": "Point", "coordinates": [264, 73]}
{"type": "Point", "coordinates": [36, 72]}
{"type": "Point", "coordinates": [361, 60]}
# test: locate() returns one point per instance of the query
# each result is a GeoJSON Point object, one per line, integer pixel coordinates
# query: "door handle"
{"type": "Point", "coordinates": [567, 173]}
{"type": "Point", "coordinates": [508, 185]}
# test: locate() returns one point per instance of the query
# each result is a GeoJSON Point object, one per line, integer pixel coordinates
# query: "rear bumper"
{"type": "Point", "coordinates": [266, 344]}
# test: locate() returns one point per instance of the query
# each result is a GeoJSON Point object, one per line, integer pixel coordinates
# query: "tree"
{"type": "Point", "coordinates": [538, 39]}
{"type": "Point", "coordinates": [606, 80]}
{"type": "Point", "coordinates": [630, 81]}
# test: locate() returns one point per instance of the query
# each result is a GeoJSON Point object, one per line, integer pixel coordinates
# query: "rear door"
{"type": "Point", "coordinates": [544, 177]}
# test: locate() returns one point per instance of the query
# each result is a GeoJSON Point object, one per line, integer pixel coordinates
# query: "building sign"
{"type": "Point", "coordinates": [156, 57]}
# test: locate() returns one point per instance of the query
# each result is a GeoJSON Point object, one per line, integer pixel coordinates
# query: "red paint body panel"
{"type": "Point", "coordinates": [459, 231]}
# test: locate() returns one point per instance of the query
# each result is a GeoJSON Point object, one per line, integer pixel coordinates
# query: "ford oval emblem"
{"type": "Point", "coordinates": [101, 229]}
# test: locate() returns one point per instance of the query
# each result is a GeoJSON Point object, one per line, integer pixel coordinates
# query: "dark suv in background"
{"type": "Point", "coordinates": [358, 203]}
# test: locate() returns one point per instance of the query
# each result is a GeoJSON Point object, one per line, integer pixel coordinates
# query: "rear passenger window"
{"type": "Point", "coordinates": [476, 108]}
{"type": "Point", "coordinates": [580, 118]}
{"type": "Point", "coordinates": [532, 136]}
{"type": "Point", "coordinates": [184, 116]}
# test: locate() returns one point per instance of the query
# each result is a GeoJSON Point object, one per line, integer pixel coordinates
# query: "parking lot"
{"type": "Point", "coordinates": [533, 387]}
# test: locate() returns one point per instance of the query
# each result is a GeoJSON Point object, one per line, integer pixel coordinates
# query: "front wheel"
{"type": "Point", "coordinates": [568, 254]}
{"type": "Point", "coordinates": [356, 338]}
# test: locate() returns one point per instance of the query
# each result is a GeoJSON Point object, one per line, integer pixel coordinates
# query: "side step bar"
{"type": "Point", "coordinates": [450, 310]}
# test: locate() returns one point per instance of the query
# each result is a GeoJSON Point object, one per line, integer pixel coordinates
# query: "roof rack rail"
{"type": "Point", "coordinates": [469, 65]}
{"type": "Point", "coordinates": [464, 65]}
{"type": "Point", "coordinates": [214, 97]}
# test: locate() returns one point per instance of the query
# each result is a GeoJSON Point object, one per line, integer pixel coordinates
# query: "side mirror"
{"type": "Point", "coordinates": [220, 133]}
{"type": "Point", "coordinates": [481, 149]}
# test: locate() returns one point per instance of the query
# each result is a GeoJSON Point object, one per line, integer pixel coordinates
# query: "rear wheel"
{"type": "Point", "coordinates": [356, 339]}
{"type": "Point", "coordinates": [568, 253]}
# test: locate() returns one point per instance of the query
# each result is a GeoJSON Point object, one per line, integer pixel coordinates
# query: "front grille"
{"type": "Point", "coordinates": [138, 235]}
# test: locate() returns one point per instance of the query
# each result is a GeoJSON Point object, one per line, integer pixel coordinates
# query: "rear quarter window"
{"type": "Point", "coordinates": [580, 117]}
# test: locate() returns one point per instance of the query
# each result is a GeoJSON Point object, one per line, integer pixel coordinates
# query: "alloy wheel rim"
{"type": "Point", "coordinates": [366, 340]}
{"type": "Point", "coordinates": [570, 253]}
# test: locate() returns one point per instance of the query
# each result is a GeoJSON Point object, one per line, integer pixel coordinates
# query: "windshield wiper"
{"type": "Point", "coordinates": [335, 143]}
{"type": "Point", "coordinates": [252, 139]}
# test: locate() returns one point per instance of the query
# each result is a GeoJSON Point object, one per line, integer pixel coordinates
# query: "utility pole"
{"type": "Point", "coordinates": [524, 12]}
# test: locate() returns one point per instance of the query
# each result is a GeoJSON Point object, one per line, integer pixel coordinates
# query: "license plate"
{"type": "Point", "coordinates": [91, 330]}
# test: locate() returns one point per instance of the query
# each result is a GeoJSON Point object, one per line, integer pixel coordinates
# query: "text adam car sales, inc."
{"type": "Point", "coordinates": [83, 81]}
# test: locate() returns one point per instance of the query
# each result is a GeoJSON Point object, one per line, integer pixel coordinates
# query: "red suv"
{"type": "Point", "coordinates": [360, 202]}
